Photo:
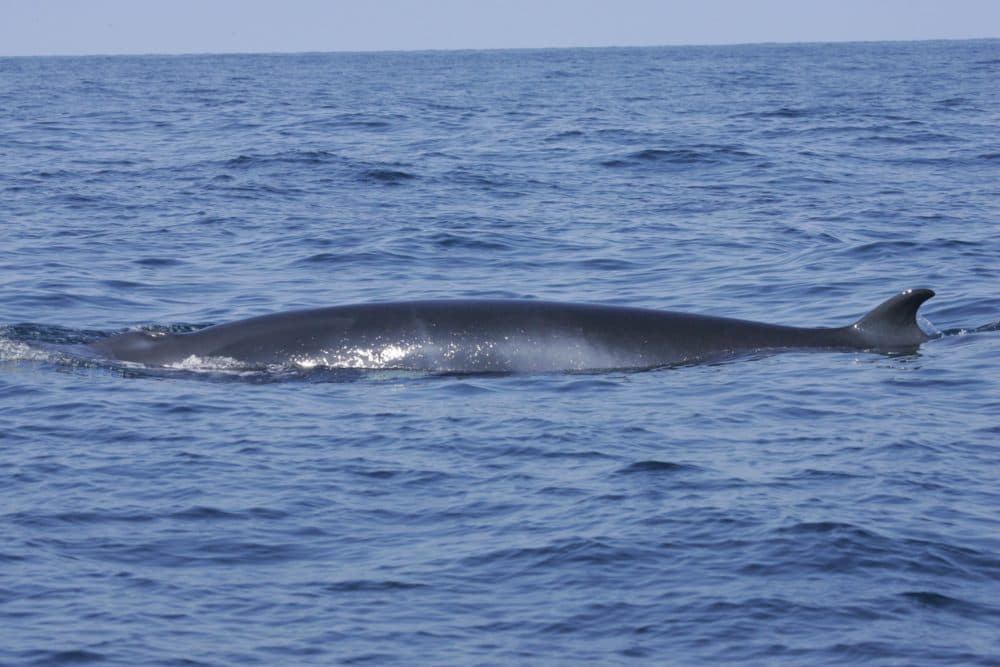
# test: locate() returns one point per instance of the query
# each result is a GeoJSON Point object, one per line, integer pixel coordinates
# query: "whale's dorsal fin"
{"type": "Point", "coordinates": [893, 323]}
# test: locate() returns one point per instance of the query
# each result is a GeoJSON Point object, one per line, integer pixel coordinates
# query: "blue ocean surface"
{"type": "Point", "coordinates": [802, 508]}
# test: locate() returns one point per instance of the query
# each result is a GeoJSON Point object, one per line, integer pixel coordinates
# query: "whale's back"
{"type": "Point", "coordinates": [507, 335]}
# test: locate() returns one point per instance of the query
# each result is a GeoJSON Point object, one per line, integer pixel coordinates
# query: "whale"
{"type": "Point", "coordinates": [483, 335]}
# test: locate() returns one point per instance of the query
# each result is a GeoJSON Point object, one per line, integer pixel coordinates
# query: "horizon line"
{"type": "Point", "coordinates": [375, 51]}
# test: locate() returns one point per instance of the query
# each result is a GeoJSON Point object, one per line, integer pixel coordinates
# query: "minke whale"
{"type": "Point", "coordinates": [505, 336]}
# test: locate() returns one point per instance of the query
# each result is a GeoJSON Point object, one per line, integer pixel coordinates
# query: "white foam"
{"type": "Point", "coordinates": [196, 363]}
{"type": "Point", "coordinates": [12, 350]}
{"type": "Point", "coordinates": [387, 356]}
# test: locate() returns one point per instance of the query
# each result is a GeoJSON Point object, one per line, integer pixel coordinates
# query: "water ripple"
{"type": "Point", "coordinates": [781, 509]}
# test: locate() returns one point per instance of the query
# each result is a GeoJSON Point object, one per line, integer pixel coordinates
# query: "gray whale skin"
{"type": "Point", "coordinates": [505, 336]}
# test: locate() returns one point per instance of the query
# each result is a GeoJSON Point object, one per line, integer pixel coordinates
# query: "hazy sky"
{"type": "Point", "coordinates": [41, 27]}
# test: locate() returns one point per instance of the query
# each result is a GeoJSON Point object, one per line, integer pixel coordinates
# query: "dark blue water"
{"type": "Point", "coordinates": [823, 508]}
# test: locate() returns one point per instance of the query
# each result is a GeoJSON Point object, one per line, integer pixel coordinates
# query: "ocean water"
{"type": "Point", "coordinates": [820, 508]}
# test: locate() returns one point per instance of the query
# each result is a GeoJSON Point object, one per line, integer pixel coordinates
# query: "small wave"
{"type": "Point", "coordinates": [909, 139]}
{"type": "Point", "coordinates": [883, 250]}
{"type": "Point", "coordinates": [560, 552]}
{"type": "Point", "coordinates": [677, 155]}
{"type": "Point", "coordinates": [605, 264]}
{"type": "Point", "coordinates": [950, 604]}
{"type": "Point", "coordinates": [205, 513]}
{"type": "Point", "coordinates": [337, 166]}
{"type": "Point", "coordinates": [122, 284]}
{"type": "Point", "coordinates": [363, 258]}
{"type": "Point", "coordinates": [362, 121]}
{"type": "Point", "coordinates": [567, 134]}
{"type": "Point", "coordinates": [780, 112]}
{"type": "Point", "coordinates": [471, 242]}
{"type": "Point", "coordinates": [627, 136]}
{"type": "Point", "coordinates": [73, 657]}
{"type": "Point", "coordinates": [158, 261]}
{"type": "Point", "coordinates": [584, 381]}
{"type": "Point", "coordinates": [952, 102]}
{"type": "Point", "coordinates": [76, 199]}
{"type": "Point", "coordinates": [931, 599]}
{"type": "Point", "coordinates": [989, 327]}
{"type": "Point", "coordinates": [826, 527]}
{"type": "Point", "coordinates": [325, 258]}
{"type": "Point", "coordinates": [813, 476]}
{"type": "Point", "coordinates": [211, 551]}
{"type": "Point", "coordinates": [250, 161]}
{"type": "Point", "coordinates": [57, 173]}
{"type": "Point", "coordinates": [685, 156]}
{"type": "Point", "coordinates": [656, 467]}
{"type": "Point", "coordinates": [388, 176]}
{"type": "Point", "coordinates": [370, 586]}
{"type": "Point", "coordinates": [496, 183]}
{"type": "Point", "coordinates": [198, 90]}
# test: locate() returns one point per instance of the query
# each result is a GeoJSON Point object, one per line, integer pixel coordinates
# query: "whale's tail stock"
{"type": "Point", "coordinates": [892, 325]}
